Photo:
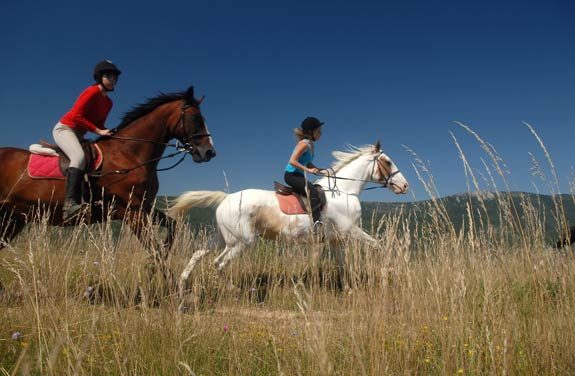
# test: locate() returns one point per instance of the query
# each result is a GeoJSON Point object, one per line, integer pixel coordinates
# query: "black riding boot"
{"type": "Point", "coordinates": [73, 200]}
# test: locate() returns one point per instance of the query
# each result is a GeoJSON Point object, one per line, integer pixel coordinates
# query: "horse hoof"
{"type": "Point", "coordinates": [90, 294]}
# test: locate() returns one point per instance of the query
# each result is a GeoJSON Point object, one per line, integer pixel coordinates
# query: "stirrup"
{"type": "Point", "coordinates": [317, 227]}
{"type": "Point", "coordinates": [72, 210]}
{"type": "Point", "coordinates": [318, 231]}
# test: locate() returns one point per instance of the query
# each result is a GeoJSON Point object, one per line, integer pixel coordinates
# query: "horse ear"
{"type": "Point", "coordinates": [201, 99]}
{"type": "Point", "coordinates": [189, 96]}
{"type": "Point", "coordinates": [377, 146]}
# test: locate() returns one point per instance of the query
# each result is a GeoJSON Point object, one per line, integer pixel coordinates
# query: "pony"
{"type": "Point", "coordinates": [126, 185]}
{"type": "Point", "coordinates": [244, 216]}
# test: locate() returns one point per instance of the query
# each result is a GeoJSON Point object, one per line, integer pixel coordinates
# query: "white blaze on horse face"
{"type": "Point", "coordinates": [397, 183]}
{"type": "Point", "coordinates": [208, 132]}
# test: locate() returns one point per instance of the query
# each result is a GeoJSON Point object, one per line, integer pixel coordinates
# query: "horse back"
{"type": "Point", "coordinates": [17, 188]}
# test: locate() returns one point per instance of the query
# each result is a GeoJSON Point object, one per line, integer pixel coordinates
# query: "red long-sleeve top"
{"type": "Point", "coordinates": [89, 112]}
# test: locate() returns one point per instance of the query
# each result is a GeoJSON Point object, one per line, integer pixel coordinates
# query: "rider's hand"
{"type": "Point", "coordinates": [314, 170]}
{"type": "Point", "coordinates": [103, 132]}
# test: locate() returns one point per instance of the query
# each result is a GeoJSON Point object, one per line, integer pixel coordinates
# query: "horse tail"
{"type": "Point", "coordinates": [191, 199]}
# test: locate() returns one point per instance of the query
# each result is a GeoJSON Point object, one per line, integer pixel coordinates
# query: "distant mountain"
{"type": "Point", "coordinates": [490, 206]}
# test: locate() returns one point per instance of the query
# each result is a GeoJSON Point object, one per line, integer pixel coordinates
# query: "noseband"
{"type": "Point", "coordinates": [386, 180]}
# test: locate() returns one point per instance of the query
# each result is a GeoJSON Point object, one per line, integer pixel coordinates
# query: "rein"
{"type": "Point", "coordinates": [186, 147]}
{"type": "Point", "coordinates": [127, 170]}
{"type": "Point", "coordinates": [331, 176]}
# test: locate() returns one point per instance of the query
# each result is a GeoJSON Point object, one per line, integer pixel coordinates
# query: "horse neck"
{"type": "Point", "coordinates": [358, 171]}
{"type": "Point", "coordinates": [156, 126]}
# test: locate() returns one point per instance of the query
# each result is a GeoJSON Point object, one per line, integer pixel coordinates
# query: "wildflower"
{"type": "Point", "coordinates": [460, 371]}
{"type": "Point", "coordinates": [226, 328]}
{"type": "Point", "coordinates": [16, 336]}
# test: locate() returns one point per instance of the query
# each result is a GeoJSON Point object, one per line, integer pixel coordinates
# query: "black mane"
{"type": "Point", "coordinates": [150, 105]}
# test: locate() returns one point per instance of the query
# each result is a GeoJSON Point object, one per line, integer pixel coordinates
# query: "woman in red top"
{"type": "Point", "coordinates": [88, 114]}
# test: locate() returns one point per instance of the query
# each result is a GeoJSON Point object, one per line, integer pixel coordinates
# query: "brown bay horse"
{"type": "Point", "coordinates": [126, 184]}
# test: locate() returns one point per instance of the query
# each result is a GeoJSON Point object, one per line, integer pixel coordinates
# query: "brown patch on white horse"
{"type": "Point", "coordinates": [268, 222]}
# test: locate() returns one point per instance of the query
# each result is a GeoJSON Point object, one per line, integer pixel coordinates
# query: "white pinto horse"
{"type": "Point", "coordinates": [245, 215]}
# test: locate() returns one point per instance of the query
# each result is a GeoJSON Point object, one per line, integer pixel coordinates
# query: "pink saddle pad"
{"type": "Point", "coordinates": [48, 167]}
{"type": "Point", "coordinates": [44, 167]}
{"type": "Point", "coordinates": [290, 204]}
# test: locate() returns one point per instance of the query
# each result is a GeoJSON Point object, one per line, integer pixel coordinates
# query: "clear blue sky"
{"type": "Point", "coordinates": [398, 71]}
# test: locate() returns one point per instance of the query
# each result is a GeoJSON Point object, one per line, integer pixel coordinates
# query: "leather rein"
{"type": "Point", "coordinates": [384, 183]}
{"type": "Point", "coordinates": [186, 147]}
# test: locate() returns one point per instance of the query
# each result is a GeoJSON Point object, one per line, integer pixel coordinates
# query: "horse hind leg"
{"type": "Point", "coordinates": [10, 226]}
{"type": "Point", "coordinates": [167, 222]}
{"type": "Point", "coordinates": [215, 243]}
{"type": "Point", "coordinates": [229, 253]}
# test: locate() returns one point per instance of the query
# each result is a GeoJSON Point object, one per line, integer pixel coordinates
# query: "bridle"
{"type": "Point", "coordinates": [186, 145]}
{"type": "Point", "coordinates": [385, 182]}
{"type": "Point", "coordinates": [187, 139]}
{"type": "Point", "coordinates": [386, 178]}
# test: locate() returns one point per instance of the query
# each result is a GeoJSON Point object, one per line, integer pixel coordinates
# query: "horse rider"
{"type": "Point", "coordinates": [300, 162]}
{"type": "Point", "coordinates": [88, 114]}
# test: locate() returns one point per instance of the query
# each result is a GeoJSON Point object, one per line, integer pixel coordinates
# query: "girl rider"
{"type": "Point", "coordinates": [89, 113]}
{"type": "Point", "coordinates": [301, 162]}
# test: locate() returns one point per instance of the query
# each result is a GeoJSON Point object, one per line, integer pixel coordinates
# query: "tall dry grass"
{"type": "Point", "coordinates": [490, 298]}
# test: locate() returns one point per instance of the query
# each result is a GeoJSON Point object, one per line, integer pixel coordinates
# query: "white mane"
{"type": "Point", "coordinates": [343, 158]}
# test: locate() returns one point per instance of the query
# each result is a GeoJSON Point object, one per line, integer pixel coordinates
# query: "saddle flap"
{"type": "Point", "coordinates": [292, 203]}
{"type": "Point", "coordinates": [92, 153]}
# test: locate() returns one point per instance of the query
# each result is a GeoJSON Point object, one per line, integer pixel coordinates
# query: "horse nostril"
{"type": "Point", "coordinates": [210, 154]}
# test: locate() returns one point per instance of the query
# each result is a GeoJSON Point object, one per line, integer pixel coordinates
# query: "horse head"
{"type": "Point", "coordinates": [386, 172]}
{"type": "Point", "coordinates": [192, 129]}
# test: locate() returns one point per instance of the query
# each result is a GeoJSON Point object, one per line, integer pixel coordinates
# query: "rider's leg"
{"type": "Point", "coordinates": [315, 203]}
{"type": "Point", "coordinates": [300, 185]}
{"type": "Point", "coordinates": [69, 142]}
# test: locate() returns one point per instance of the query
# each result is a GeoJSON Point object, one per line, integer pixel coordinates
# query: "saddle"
{"type": "Point", "coordinates": [48, 161]}
{"type": "Point", "coordinates": [292, 203]}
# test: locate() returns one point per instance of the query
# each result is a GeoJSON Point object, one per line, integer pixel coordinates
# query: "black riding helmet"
{"type": "Point", "coordinates": [310, 123]}
{"type": "Point", "coordinates": [102, 67]}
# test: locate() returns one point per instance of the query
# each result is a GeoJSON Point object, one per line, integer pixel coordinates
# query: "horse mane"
{"type": "Point", "coordinates": [150, 105]}
{"type": "Point", "coordinates": [343, 158]}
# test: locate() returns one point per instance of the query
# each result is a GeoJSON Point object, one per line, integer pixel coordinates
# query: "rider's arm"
{"type": "Point", "coordinates": [85, 102]}
{"type": "Point", "coordinates": [299, 149]}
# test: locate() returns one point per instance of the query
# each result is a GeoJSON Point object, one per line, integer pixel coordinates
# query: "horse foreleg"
{"type": "Point", "coordinates": [358, 234]}
{"type": "Point", "coordinates": [169, 224]}
{"type": "Point", "coordinates": [141, 225]}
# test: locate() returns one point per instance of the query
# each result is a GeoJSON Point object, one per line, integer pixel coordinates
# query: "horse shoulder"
{"type": "Point", "coordinates": [346, 208]}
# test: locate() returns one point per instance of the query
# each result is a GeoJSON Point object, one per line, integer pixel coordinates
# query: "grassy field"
{"type": "Point", "coordinates": [479, 302]}
{"type": "Point", "coordinates": [432, 298]}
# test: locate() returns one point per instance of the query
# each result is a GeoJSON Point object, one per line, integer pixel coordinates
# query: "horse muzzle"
{"type": "Point", "coordinates": [203, 154]}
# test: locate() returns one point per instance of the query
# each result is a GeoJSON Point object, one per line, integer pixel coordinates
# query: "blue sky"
{"type": "Point", "coordinates": [401, 72]}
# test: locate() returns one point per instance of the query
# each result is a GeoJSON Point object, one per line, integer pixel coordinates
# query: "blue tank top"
{"type": "Point", "coordinates": [304, 159]}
